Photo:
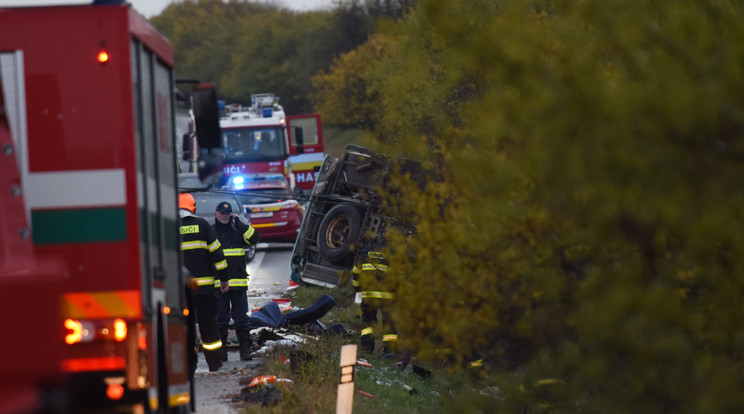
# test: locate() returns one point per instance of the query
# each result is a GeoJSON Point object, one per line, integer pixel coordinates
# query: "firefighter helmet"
{"type": "Point", "coordinates": [186, 201]}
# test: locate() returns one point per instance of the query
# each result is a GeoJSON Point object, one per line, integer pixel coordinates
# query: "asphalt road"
{"type": "Point", "coordinates": [269, 279]}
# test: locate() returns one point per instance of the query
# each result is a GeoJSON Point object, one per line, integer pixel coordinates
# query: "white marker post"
{"type": "Point", "coordinates": [345, 397]}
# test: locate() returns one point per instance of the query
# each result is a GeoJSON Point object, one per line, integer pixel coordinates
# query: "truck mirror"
{"type": "Point", "coordinates": [210, 167]}
{"type": "Point", "coordinates": [208, 133]}
{"type": "Point", "coordinates": [186, 146]}
{"type": "Point", "coordinates": [299, 140]}
{"type": "Point", "coordinates": [206, 116]}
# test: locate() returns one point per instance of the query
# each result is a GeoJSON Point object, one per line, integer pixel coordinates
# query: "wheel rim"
{"type": "Point", "coordinates": [338, 231]}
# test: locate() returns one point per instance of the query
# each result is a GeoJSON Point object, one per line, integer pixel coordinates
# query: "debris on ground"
{"type": "Point", "coordinates": [366, 394]}
{"type": "Point", "coordinates": [265, 394]}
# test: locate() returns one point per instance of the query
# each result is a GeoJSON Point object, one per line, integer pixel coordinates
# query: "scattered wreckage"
{"type": "Point", "coordinates": [275, 326]}
{"type": "Point", "coordinates": [344, 215]}
{"type": "Point", "coordinates": [270, 315]}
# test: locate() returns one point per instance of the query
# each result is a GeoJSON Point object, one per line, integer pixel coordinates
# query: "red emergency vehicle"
{"type": "Point", "coordinates": [90, 264]}
{"type": "Point", "coordinates": [261, 139]}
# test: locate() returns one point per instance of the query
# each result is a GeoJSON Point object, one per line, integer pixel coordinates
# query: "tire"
{"type": "Point", "coordinates": [338, 231]}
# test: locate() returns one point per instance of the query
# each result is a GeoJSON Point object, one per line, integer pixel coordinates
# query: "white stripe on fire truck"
{"type": "Point", "coordinates": [81, 188]}
{"type": "Point", "coordinates": [307, 158]}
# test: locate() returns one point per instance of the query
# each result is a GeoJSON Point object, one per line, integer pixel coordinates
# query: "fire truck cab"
{"type": "Point", "coordinates": [261, 138]}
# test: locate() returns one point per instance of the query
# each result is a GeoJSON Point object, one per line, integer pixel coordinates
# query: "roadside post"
{"type": "Point", "coordinates": [345, 396]}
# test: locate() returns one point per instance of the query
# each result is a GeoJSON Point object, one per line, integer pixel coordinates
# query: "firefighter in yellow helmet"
{"type": "Point", "coordinates": [371, 278]}
{"type": "Point", "coordinates": [205, 261]}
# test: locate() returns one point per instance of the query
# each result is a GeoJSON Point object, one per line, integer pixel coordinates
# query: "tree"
{"type": "Point", "coordinates": [250, 47]}
{"type": "Point", "coordinates": [203, 35]}
{"type": "Point", "coordinates": [586, 217]}
{"type": "Point", "coordinates": [344, 95]}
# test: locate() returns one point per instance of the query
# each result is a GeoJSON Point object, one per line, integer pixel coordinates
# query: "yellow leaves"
{"type": "Point", "coordinates": [343, 94]}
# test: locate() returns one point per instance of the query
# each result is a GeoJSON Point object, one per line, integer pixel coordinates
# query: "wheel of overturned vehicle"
{"type": "Point", "coordinates": [339, 228]}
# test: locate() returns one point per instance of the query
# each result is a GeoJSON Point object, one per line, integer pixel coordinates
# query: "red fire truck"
{"type": "Point", "coordinates": [261, 139]}
{"type": "Point", "coordinates": [92, 290]}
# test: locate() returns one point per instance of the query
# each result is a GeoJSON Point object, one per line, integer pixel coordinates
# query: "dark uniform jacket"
{"type": "Point", "coordinates": [202, 253]}
{"type": "Point", "coordinates": [234, 237]}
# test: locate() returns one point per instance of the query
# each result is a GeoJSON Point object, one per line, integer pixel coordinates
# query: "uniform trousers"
{"type": "Point", "coordinates": [234, 303]}
{"type": "Point", "coordinates": [206, 306]}
{"type": "Point", "coordinates": [370, 307]}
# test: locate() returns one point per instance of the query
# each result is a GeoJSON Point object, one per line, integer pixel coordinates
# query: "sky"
{"type": "Point", "coordinates": [149, 8]}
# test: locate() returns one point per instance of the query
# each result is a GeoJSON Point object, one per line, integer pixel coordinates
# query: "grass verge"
{"type": "Point", "coordinates": [312, 370]}
{"type": "Point", "coordinates": [314, 380]}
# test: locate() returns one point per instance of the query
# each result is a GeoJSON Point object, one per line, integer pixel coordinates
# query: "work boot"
{"type": "Point", "coordinates": [368, 342]}
{"type": "Point", "coordinates": [245, 342]}
{"type": "Point", "coordinates": [223, 337]}
{"type": "Point", "coordinates": [214, 359]}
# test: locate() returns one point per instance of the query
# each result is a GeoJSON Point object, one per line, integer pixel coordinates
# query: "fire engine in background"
{"type": "Point", "coordinates": [262, 139]}
{"type": "Point", "coordinates": [91, 280]}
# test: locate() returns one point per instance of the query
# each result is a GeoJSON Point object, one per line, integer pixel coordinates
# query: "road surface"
{"type": "Point", "coordinates": [269, 279]}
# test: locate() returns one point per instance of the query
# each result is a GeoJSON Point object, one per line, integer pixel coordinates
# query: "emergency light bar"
{"type": "Point", "coordinates": [239, 182]}
{"type": "Point", "coordinates": [263, 100]}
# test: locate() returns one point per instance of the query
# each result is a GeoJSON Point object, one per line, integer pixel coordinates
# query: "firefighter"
{"type": "Point", "coordinates": [205, 261]}
{"type": "Point", "coordinates": [372, 280]}
{"type": "Point", "coordinates": [234, 235]}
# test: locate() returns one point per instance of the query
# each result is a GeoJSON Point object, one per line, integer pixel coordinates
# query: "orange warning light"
{"type": "Point", "coordinates": [120, 330]}
{"type": "Point", "coordinates": [142, 341]}
{"type": "Point", "coordinates": [103, 56]}
{"type": "Point", "coordinates": [114, 391]}
{"type": "Point", "coordinates": [75, 329]}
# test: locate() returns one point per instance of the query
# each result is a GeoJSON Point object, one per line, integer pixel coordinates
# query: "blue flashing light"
{"type": "Point", "coordinates": [267, 112]}
{"type": "Point", "coordinates": [238, 182]}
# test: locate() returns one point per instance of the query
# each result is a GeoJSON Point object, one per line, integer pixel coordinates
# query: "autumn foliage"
{"type": "Point", "coordinates": [584, 218]}
{"type": "Point", "coordinates": [581, 229]}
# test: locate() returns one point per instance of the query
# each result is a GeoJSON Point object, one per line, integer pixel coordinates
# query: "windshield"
{"type": "Point", "coordinates": [253, 143]}
{"type": "Point", "coordinates": [263, 196]}
{"type": "Point", "coordinates": [191, 182]}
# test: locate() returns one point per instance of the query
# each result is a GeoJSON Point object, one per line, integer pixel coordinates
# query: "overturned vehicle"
{"type": "Point", "coordinates": [344, 216]}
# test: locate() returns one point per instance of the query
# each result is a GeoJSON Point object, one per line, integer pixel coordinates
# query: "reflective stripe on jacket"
{"type": "Point", "coordinates": [235, 236]}
{"type": "Point", "coordinates": [370, 277]}
{"type": "Point", "coordinates": [202, 253]}
{"type": "Point", "coordinates": [377, 294]}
